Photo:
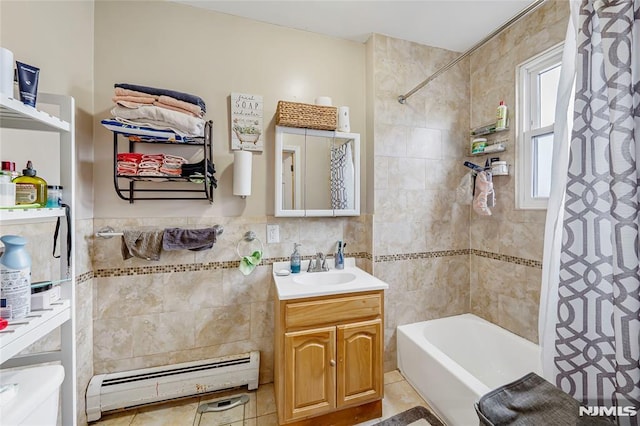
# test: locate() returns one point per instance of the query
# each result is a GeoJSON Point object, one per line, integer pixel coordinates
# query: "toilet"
{"type": "Point", "coordinates": [34, 402]}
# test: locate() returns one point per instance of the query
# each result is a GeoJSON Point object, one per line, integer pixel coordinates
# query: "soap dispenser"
{"type": "Point", "coordinates": [30, 188]}
{"type": "Point", "coordinates": [295, 259]}
{"type": "Point", "coordinates": [339, 256]}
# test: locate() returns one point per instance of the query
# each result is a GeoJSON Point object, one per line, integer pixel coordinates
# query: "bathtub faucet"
{"type": "Point", "coordinates": [318, 264]}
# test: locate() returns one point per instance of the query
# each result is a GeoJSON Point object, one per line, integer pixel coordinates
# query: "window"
{"type": "Point", "coordinates": [537, 90]}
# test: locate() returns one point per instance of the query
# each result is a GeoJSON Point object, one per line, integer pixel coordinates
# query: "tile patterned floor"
{"type": "Point", "coordinates": [260, 410]}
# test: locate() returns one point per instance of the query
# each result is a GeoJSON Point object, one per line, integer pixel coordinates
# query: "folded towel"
{"type": "Point", "coordinates": [119, 91]}
{"type": "Point", "coordinates": [189, 239]}
{"type": "Point", "coordinates": [159, 127]}
{"type": "Point", "coordinates": [249, 263]}
{"type": "Point", "coordinates": [181, 96]}
{"type": "Point", "coordinates": [168, 171]}
{"type": "Point", "coordinates": [153, 115]}
{"type": "Point", "coordinates": [168, 100]}
{"type": "Point", "coordinates": [143, 244]}
{"type": "Point", "coordinates": [176, 103]}
{"type": "Point", "coordinates": [137, 132]}
{"type": "Point", "coordinates": [132, 101]}
{"type": "Point", "coordinates": [173, 108]}
{"type": "Point", "coordinates": [173, 159]}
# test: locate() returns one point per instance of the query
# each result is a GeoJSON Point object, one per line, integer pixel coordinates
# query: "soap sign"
{"type": "Point", "coordinates": [246, 122]}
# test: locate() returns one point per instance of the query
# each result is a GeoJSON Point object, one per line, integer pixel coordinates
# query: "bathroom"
{"type": "Point", "coordinates": [438, 257]}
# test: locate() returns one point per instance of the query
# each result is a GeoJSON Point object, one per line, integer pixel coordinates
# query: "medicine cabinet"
{"type": "Point", "coordinates": [317, 173]}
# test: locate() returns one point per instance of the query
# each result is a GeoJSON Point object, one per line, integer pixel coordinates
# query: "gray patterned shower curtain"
{"type": "Point", "coordinates": [590, 305]}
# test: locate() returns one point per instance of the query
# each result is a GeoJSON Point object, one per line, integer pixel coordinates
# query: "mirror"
{"type": "Point", "coordinates": [317, 173]}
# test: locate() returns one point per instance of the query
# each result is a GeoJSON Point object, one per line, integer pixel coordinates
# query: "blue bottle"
{"type": "Point", "coordinates": [295, 259]}
{"type": "Point", "coordinates": [15, 278]}
{"type": "Point", "coordinates": [339, 256]}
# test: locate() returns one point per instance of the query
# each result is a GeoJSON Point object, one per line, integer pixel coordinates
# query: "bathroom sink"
{"type": "Point", "coordinates": [351, 279]}
{"type": "Point", "coordinates": [324, 278]}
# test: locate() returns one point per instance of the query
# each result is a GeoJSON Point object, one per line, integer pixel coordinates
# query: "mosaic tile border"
{"type": "Point", "coordinates": [444, 253]}
{"type": "Point", "coordinates": [232, 264]}
{"type": "Point", "coordinates": [192, 267]}
{"type": "Point", "coordinates": [420, 255]}
{"type": "Point", "coordinates": [84, 277]}
{"type": "Point", "coordinates": [506, 258]}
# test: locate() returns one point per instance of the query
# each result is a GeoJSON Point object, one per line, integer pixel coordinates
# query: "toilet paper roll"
{"type": "Point", "coordinates": [242, 162]}
{"type": "Point", "coordinates": [6, 72]}
{"type": "Point", "coordinates": [323, 101]}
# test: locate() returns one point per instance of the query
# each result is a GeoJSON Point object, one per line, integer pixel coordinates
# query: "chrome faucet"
{"type": "Point", "coordinates": [319, 264]}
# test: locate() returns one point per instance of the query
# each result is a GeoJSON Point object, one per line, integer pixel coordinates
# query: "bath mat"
{"type": "Point", "coordinates": [416, 416]}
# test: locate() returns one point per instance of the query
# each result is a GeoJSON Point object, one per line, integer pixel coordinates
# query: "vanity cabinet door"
{"type": "Point", "coordinates": [309, 363]}
{"type": "Point", "coordinates": [359, 362]}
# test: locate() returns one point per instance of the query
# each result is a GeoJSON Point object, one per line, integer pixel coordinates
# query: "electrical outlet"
{"type": "Point", "coordinates": [273, 234]}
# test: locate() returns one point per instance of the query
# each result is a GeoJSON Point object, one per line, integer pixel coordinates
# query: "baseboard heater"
{"type": "Point", "coordinates": [117, 391]}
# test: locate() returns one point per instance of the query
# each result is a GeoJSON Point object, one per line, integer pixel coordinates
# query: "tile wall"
{"type": "Point", "coordinates": [506, 247]}
{"type": "Point", "coordinates": [196, 305]}
{"type": "Point", "coordinates": [420, 230]}
{"type": "Point", "coordinates": [43, 266]}
{"type": "Point", "coordinates": [84, 312]}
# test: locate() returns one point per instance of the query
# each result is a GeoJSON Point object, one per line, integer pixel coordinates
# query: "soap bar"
{"type": "Point", "coordinates": [283, 272]}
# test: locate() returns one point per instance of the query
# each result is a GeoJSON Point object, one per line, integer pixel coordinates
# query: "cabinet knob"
{"type": "Point", "coordinates": [332, 363]}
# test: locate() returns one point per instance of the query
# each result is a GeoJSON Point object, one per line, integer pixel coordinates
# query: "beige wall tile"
{"type": "Point", "coordinates": [163, 332]}
{"type": "Point", "coordinates": [222, 325]}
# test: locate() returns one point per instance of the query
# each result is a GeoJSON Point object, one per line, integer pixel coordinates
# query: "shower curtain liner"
{"type": "Point", "coordinates": [590, 301]}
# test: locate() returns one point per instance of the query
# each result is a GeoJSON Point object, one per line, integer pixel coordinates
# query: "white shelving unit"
{"type": "Point", "coordinates": [22, 333]}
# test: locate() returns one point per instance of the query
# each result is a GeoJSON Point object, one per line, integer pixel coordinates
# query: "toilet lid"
{"type": "Point", "coordinates": [35, 385]}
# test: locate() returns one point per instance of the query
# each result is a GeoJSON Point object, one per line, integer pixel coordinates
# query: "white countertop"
{"type": "Point", "coordinates": [288, 288]}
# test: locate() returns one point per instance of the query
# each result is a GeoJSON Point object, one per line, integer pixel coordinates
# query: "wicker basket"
{"type": "Point", "coordinates": [293, 114]}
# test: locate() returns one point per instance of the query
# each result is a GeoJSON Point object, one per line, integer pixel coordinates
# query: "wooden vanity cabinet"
{"type": "Point", "coordinates": [328, 360]}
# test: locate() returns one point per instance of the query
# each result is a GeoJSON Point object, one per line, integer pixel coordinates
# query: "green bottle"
{"type": "Point", "coordinates": [30, 189]}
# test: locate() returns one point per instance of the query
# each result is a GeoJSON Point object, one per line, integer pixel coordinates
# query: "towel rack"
{"type": "Point", "coordinates": [249, 236]}
{"type": "Point", "coordinates": [109, 232]}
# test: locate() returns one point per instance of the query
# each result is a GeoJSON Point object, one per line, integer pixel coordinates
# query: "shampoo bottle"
{"type": "Point", "coordinates": [30, 189]}
{"type": "Point", "coordinates": [501, 116]}
{"type": "Point", "coordinates": [295, 259]}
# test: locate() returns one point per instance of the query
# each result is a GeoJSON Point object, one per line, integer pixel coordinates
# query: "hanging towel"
{"type": "Point", "coordinates": [484, 194]}
{"type": "Point", "coordinates": [249, 263]}
{"type": "Point", "coordinates": [189, 239]}
{"type": "Point", "coordinates": [143, 244]}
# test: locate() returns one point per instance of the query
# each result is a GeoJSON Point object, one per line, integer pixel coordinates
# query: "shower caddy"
{"type": "Point", "coordinates": [488, 130]}
{"type": "Point", "coordinates": [22, 333]}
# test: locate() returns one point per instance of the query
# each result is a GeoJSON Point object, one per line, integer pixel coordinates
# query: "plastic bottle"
{"type": "Point", "coordinates": [339, 257]}
{"type": "Point", "coordinates": [15, 278]}
{"type": "Point", "coordinates": [295, 259]}
{"type": "Point", "coordinates": [501, 116]}
{"type": "Point", "coordinates": [30, 189]}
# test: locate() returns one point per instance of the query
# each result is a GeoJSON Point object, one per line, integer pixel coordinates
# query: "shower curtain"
{"type": "Point", "coordinates": [590, 302]}
{"type": "Point", "coordinates": [342, 177]}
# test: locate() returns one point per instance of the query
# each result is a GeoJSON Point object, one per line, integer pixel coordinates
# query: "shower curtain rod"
{"type": "Point", "coordinates": [530, 8]}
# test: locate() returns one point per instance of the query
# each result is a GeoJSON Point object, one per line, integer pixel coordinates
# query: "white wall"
{"type": "Point", "coordinates": [209, 54]}
{"type": "Point", "coordinates": [57, 37]}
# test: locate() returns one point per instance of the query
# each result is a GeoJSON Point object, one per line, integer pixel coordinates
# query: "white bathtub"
{"type": "Point", "coordinates": [453, 361]}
